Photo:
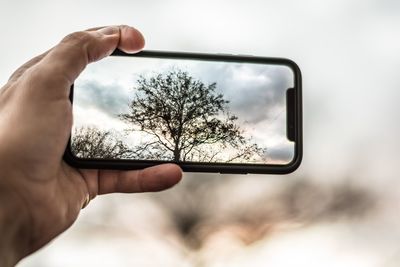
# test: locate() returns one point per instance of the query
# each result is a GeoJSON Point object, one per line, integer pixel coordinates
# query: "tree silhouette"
{"type": "Point", "coordinates": [187, 120]}
{"type": "Point", "coordinates": [90, 142]}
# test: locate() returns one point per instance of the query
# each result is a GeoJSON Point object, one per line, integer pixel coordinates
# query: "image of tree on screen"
{"type": "Point", "coordinates": [91, 142]}
{"type": "Point", "coordinates": [187, 120]}
{"type": "Point", "coordinates": [180, 118]}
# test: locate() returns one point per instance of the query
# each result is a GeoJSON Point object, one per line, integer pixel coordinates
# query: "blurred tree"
{"type": "Point", "coordinates": [90, 142]}
{"type": "Point", "coordinates": [187, 121]}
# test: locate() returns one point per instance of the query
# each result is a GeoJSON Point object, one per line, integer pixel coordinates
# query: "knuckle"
{"type": "Point", "coordinates": [77, 37]}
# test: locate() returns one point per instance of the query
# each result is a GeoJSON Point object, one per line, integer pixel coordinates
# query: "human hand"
{"type": "Point", "coordinates": [40, 195]}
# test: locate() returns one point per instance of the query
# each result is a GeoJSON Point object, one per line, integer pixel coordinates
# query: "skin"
{"type": "Point", "coordinates": [40, 195]}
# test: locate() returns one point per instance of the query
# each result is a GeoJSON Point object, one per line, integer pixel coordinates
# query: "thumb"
{"type": "Point", "coordinates": [63, 64]}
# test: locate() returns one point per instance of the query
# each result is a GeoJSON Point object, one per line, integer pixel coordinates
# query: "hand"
{"type": "Point", "coordinates": [40, 195]}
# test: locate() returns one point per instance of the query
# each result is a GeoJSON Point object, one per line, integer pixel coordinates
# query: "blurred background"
{"type": "Point", "coordinates": [340, 208]}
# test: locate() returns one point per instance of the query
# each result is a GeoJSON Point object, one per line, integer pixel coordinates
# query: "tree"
{"type": "Point", "coordinates": [187, 120]}
{"type": "Point", "coordinates": [90, 142]}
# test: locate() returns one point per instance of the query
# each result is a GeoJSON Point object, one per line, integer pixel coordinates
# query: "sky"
{"type": "Point", "coordinates": [348, 52]}
{"type": "Point", "coordinates": [256, 95]}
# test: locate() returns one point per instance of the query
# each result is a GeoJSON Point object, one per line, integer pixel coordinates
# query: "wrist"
{"type": "Point", "coordinates": [13, 230]}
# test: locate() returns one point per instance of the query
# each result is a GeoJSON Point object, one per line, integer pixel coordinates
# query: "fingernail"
{"type": "Point", "coordinates": [111, 30]}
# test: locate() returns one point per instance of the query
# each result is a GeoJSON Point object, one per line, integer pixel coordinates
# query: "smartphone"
{"type": "Point", "coordinates": [208, 113]}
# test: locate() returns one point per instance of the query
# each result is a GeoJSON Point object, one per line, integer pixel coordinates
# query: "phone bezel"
{"type": "Point", "coordinates": [233, 168]}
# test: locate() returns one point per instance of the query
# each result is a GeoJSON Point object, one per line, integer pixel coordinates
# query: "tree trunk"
{"type": "Point", "coordinates": [177, 154]}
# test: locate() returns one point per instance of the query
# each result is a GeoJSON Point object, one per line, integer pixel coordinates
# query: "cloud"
{"type": "Point", "coordinates": [256, 92]}
{"type": "Point", "coordinates": [111, 99]}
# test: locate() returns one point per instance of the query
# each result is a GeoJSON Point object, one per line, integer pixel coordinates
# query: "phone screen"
{"type": "Point", "coordinates": [182, 110]}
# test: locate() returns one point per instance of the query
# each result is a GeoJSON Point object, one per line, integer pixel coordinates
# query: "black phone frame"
{"type": "Point", "coordinates": [232, 168]}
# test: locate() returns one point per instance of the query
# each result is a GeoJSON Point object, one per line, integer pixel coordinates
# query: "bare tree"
{"type": "Point", "coordinates": [90, 142]}
{"type": "Point", "coordinates": [187, 120]}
